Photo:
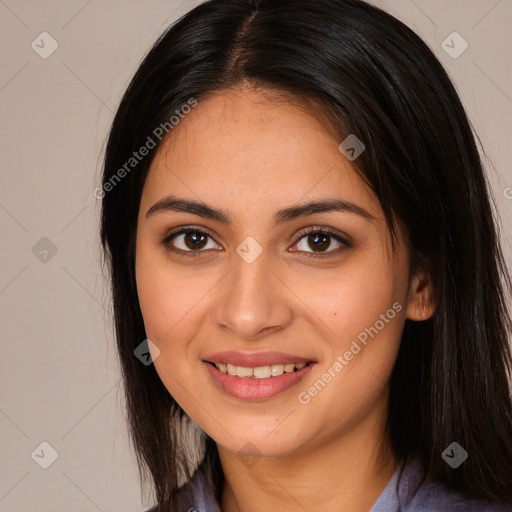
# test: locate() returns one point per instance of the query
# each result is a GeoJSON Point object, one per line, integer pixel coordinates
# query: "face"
{"type": "Point", "coordinates": [319, 286]}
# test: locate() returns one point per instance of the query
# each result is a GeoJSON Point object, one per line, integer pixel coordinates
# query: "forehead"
{"type": "Point", "coordinates": [248, 147]}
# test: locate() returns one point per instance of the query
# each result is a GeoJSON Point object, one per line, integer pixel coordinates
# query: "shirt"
{"type": "Point", "coordinates": [431, 496]}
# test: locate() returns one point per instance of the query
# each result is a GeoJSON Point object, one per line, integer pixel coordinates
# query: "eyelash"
{"type": "Point", "coordinates": [308, 231]}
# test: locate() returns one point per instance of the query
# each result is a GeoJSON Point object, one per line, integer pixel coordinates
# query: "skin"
{"type": "Point", "coordinates": [242, 152]}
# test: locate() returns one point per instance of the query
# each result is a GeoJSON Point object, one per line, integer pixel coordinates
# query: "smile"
{"type": "Point", "coordinates": [259, 372]}
{"type": "Point", "coordinates": [257, 383]}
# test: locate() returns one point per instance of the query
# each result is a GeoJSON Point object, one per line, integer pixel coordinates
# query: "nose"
{"type": "Point", "coordinates": [252, 301]}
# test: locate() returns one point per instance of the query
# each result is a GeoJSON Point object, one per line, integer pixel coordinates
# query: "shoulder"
{"type": "Point", "coordinates": [437, 497]}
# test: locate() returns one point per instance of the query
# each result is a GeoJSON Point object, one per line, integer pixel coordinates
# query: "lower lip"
{"type": "Point", "coordinates": [256, 389]}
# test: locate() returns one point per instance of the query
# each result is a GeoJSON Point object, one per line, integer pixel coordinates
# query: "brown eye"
{"type": "Point", "coordinates": [188, 242]}
{"type": "Point", "coordinates": [195, 239]}
{"type": "Point", "coordinates": [320, 242]}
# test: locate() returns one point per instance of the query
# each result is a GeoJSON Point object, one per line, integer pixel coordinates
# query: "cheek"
{"type": "Point", "coordinates": [171, 300]}
{"type": "Point", "coordinates": [171, 305]}
{"type": "Point", "coordinates": [359, 310]}
{"type": "Point", "coordinates": [360, 354]}
{"type": "Point", "coordinates": [351, 299]}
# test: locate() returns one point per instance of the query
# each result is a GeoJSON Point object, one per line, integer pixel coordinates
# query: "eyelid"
{"type": "Point", "coordinates": [181, 230]}
{"type": "Point", "coordinates": [340, 236]}
{"type": "Point", "coordinates": [186, 228]}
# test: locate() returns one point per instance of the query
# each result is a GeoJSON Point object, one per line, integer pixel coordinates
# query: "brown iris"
{"type": "Point", "coordinates": [195, 239]}
{"type": "Point", "coordinates": [319, 241]}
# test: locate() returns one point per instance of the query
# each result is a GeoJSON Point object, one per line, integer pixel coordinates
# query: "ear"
{"type": "Point", "coordinates": [420, 303]}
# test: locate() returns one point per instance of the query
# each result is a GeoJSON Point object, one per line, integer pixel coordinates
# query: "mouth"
{"type": "Point", "coordinates": [259, 372]}
{"type": "Point", "coordinates": [256, 376]}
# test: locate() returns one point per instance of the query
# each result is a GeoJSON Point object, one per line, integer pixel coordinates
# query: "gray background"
{"type": "Point", "coordinates": [59, 376]}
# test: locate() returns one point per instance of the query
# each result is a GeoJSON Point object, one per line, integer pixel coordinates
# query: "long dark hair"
{"type": "Point", "coordinates": [364, 73]}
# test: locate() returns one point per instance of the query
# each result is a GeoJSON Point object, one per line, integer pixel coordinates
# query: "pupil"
{"type": "Point", "coordinates": [319, 241]}
{"type": "Point", "coordinates": [197, 240]}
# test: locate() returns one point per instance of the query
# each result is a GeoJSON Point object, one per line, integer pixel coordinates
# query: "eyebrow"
{"type": "Point", "coordinates": [174, 204]}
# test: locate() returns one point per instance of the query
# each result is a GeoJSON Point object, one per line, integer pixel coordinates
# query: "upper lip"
{"type": "Point", "coordinates": [254, 359]}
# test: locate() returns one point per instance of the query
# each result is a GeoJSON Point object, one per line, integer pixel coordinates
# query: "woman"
{"type": "Point", "coordinates": [301, 240]}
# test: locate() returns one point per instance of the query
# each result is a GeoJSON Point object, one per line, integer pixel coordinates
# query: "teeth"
{"type": "Point", "coordinates": [260, 372]}
{"type": "Point", "coordinates": [243, 372]}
